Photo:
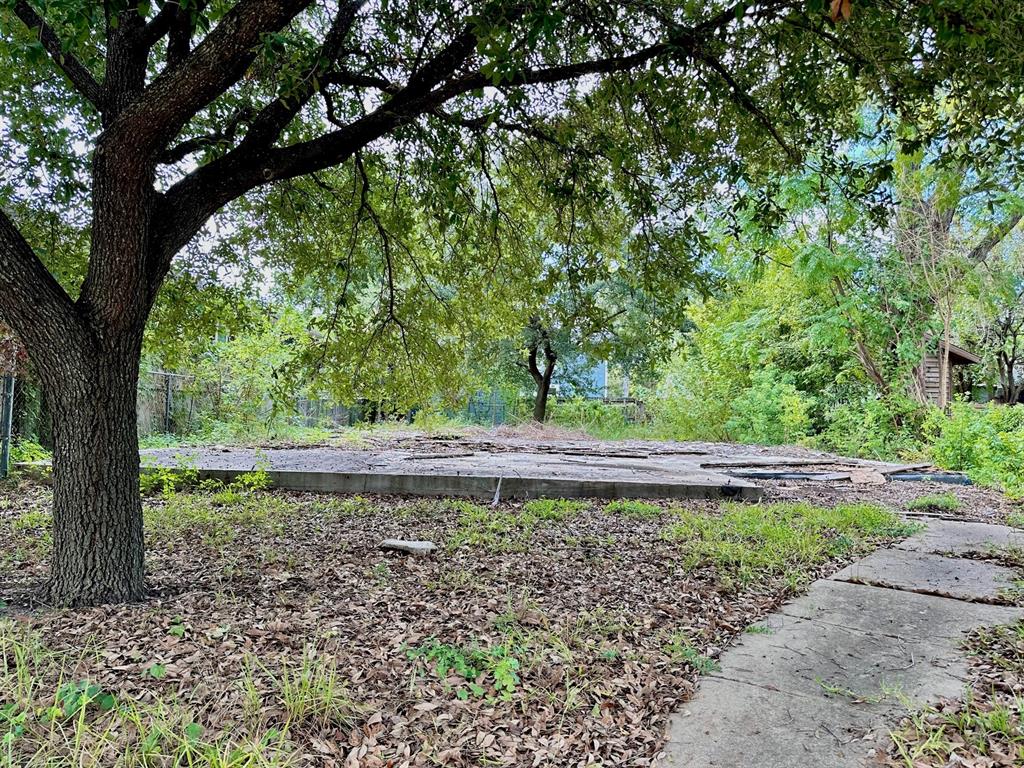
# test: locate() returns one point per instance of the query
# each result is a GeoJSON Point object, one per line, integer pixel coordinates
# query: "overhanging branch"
{"type": "Point", "coordinates": [254, 162]}
{"type": "Point", "coordinates": [743, 98]}
{"type": "Point", "coordinates": [32, 302]}
{"type": "Point", "coordinates": [80, 77]}
{"type": "Point", "coordinates": [995, 236]}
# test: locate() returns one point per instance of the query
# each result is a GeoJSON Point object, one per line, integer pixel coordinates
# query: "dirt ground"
{"type": "Point", "coordinates": [608, 625]}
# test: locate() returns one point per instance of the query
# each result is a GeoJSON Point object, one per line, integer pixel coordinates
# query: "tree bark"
{"type": "Point", "coordinates": [540, 401]}
{"type": "Point", "coordinates": [98, 547]}
{"type": "Point", "coordinates": [542, 379]}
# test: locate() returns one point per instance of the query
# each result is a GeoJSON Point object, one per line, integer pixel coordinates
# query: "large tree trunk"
{"type": "Point", "coordinates": [97, 511]}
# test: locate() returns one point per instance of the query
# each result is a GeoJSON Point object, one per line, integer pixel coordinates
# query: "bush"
{"type": "Point", "coordinates": [986, 443]}
{"type": "Point", "coordinates": [772, 411]}
{"type": "Point", "coordinates": [28, 451]}
{"type": "Point", "coordinates": [874, 428]}
{"type": "Point", "coordinates": [692, 400]}
{"type": "Point", "coordinates": [594, 417]}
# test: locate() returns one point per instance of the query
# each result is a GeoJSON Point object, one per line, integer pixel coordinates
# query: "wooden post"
{"type": "Point", "coordinates": [167, 404]}
{"type": "Point", "coordinates": [6, 422]}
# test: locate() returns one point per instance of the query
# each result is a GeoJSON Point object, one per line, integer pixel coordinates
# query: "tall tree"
{"type": "Point", "coordinates": [161, 114]}
{"type": "Point", "coordinates": [993, 317]}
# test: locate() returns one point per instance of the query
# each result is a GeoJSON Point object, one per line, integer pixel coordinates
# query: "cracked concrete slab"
{"type": "Point", "coordinates": [733, 724]}
{"type": "Point", "coordinates": [955, 577]}
{"type": "Point", "coordinates": [890, 612]}
{"type": "Point", "coordinates": [474, 473]}
{"type": "Point", "coordinates": [957, 537]}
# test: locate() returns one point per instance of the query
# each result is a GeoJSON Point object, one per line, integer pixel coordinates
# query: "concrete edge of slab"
{"type": "Point", "coordinates": [485, 487]}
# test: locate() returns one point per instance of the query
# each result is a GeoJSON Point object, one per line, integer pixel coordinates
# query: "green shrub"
{"type": "Point", "coordinates": [987, 443]}
{"type": "Point", "coordinates": [594, 417]}
{"type": "Point", "coordinates": [27, 451]}
{"type": "Point", "coordinates": [771, 411]}
{"type": "Point", "coordinates": [874, 428]}
{"type": "Point", "coordinates": [691, 402]}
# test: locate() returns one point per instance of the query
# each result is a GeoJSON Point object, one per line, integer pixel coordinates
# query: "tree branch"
{"type": "Point", "coordinates": [33, 303]}
{"type": "Point", "coordinates": [81, 78]}
{"type": "Point", "coordinates": [191, 201]}
{"type": "Point", "coordinates": [160, 24]}
{"type": "Point", "coordinates": [212, 67]}
{"type": "Point", "coordinates": [226, 134]}
{"type": "Point", "coordinates": [995, 236]}
{"type": "Point", "coordinates": [743, 98]}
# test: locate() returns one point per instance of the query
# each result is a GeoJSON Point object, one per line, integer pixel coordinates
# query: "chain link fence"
{"type": "Point", "coordinates": [175, 404]}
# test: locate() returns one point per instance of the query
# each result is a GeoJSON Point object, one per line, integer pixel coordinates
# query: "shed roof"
{"type": "Point", "coordinates": [959, 355]}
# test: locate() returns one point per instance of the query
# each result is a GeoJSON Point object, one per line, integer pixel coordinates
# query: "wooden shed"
{"type": "Point", "coordinates": [931, 368]}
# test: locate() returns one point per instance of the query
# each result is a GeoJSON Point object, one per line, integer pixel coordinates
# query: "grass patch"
{"type": "Point", "coordinates": [312, 694]}
{"type": "Point", "coordinates": [508, 530]}
{"type": "Point", "coordinates": [936, 502]}
{"type": "Point", "coordinates": [216, 518]}
{"type": "Point", "coordinates": [747, 543]}
{"type": "Point", "coordinates": [49, 718]}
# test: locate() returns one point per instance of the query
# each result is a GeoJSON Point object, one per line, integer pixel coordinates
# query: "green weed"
{"type": "Point", "coordinates": [381, 573]}
{"type": "Point", "coordinates": [937, 502]}
{"type": "Point", "coordinates": [746, 543]}
{"type": "Point", "coordinates": [496, 665]}
{"type": "Point", "coordinates": [680, 649]}
{"type": "Point", "coordinates": [551, 509]}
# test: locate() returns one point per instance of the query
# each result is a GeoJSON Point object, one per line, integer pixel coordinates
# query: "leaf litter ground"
{"type": "Point", "coordinates": [277, 633]}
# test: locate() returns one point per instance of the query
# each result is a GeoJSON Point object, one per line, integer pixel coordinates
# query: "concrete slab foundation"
{"type": "Point", "coordinates": [503, 467]}
{"type": "Point", "coordinates": [478, 474]}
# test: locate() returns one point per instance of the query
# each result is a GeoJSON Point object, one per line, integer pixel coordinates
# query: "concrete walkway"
{"type": "Point", "coordinates": [837, 666]}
